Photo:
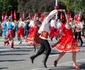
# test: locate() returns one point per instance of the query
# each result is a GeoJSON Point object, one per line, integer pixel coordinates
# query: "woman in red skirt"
{"type": "Point", "coordinates": [33, 36]}
{"type": "Point", "coordinates": [67, 43]}
{"type": "Point", "coordinates": [21, 30]}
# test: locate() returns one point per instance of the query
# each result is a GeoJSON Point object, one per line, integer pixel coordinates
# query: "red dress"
{"type": "Point", "coordinates": [67, 42]}
{"type": "Point", "coordinates": [21, 31]}
{"type": "Point", "coordinates": [52, 33]}
{"type": "Point", "coordinates": [33, 37]}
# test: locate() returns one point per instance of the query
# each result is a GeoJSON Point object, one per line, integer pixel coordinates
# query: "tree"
{"type": "Point", "coordinates": [75, 5]}
{"type": "Point", "coordinates": [5, 6]}
{"type": "Point", "coordinates": [34, 6]}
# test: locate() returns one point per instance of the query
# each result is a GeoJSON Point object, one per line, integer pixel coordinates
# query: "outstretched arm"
{"type": "Point", "coordinates": [66, 16]}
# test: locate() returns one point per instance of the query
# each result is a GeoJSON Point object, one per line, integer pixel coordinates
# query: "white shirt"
{"type": "Point", "coordinates": [79, 25]}
{"type": "Point", "coordinates": [53, 23]}
{"type": "Point", "coordinates": [45, 24]}
{"type": "Point", "coordinates": [21, 24]}
{"type": "Point", "coordinates": [31, 24]}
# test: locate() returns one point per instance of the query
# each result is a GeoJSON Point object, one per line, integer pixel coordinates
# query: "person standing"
{"type": "Point", "coordinates": [5, 31]}
{"type": "Point", "coordinates": [67, 43]}
{"type": "Point", "coordinates": [78, 30]}
{"type": "Point", "coordinates": [10, 34]}
{"type": "Point", "coordinates": [27, 27]}
{"type": "Point", "coordinates": [21, 30]}
{"type": "Point", "coordinates": [44, 33]}
{"type": "Point", "coordinates": [33, 36]}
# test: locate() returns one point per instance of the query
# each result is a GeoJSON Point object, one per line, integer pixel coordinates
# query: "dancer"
{"type": "Point", "coordinates": [10, 34]}
{"type": "Point", "coordinates": [21, 30]}
{"type": "Point", "coordinates": [4, 30]}
{"type": "Point", "coordinates": [78, 30]}
{"type": "Point", "coordinates": [33, 36]}
{"type": "Point", "coordinates": [67, 43]}
{"type": "Point", "coordinates": [44, 32]}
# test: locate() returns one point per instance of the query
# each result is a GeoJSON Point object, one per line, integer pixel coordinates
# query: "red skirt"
{"type": "Point", "coordinates": [67, 44]}
{"type": "Point", "coordinates": [33, 37]}
{"type": "Point", "coordinates": [10, 34]}
{"type": "Point", "coordinates": [20, 31]}
{"type": "Point", "coordinates": [52, 32]}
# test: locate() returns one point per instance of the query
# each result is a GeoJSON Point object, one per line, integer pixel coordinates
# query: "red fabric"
{"type": "Point", "coordinates": [3, 16]}
{"type": "Point", "coordinates": [23, 16]}
{"type": "Point", "coordinates": [67, 42]}
{"type": "Point", "coordinates": [33, 36]}
{"type": "Point", "coordinates": [11, 13]}
{"type": "Point", "coordinates": [52, 33]}
{"type": "Point", "coordinates": [10, 34]}
{"type": "Point", "coordinates": [15, 15]}
{"type": "Point", "coordinates": [20, 31]}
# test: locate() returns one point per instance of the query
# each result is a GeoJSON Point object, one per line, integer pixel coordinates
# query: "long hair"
{"type": "Point", "coordinates": [62, 17]}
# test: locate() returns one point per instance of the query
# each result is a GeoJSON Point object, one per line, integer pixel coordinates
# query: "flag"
{"type": "Point", "coordinates": [29, 15]}
{"type": "Point", "coordinates": [23, 16]}
{"type": "Point", "coordinates": [15, 15]}
{"type": "Point", "coordinates": [3, 16]}
{"type": "Point", "coordinates": [11, 13]}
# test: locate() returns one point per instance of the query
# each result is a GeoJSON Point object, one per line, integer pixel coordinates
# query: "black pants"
{"type": "Point", "coordinates": [45, 47]}
{"type": "Point", "coordinates": [78, 36]}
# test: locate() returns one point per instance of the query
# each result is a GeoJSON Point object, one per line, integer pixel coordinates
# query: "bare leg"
{"type": "Point", "coordinates": [60, 55]}
{"type": "Point", "coordinates": [20, 40]}
{"type": "Point", "coordinates": [12, 43]}
{"type": "Point", "coordinates": [74, 60]}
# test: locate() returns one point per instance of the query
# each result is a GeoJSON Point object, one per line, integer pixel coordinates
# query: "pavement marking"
{"type": "Point", "coordinates": [60, 64]}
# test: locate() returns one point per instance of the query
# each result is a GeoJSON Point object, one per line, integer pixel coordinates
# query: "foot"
{"type": "Point", "coordinates": [32, 59]}
{"type": "Point", "coordinates": [81, 43]}
{"type": "Point", "coordinates": [55, 63]}
{"type": "Point", "coordinates": [76, 67]}
{"type": "Point", "coordinates": [12, 45]}
{"type": "Point", "coordinates": [6, 43]}
{"type": "Point", "coordinates": [44, 63]}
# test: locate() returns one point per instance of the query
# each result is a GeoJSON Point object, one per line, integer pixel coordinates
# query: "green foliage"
{"type": "Point", "coordinates": [75, 5]}
{"type": "Point", "coordinates": [34, 6]}
{"type": "Point", "coordinates": [7, 5]}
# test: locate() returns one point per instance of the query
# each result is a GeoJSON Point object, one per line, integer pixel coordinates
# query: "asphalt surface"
{"type": "Point", "coordinates": [19, 58]}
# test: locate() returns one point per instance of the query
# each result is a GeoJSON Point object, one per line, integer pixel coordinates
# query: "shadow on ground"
{"type": "Point", "coordinates": [1, 68]}
{"type": "Point", "coordinates": [82, 67]}
{"type": "Point", "coordinates": [19, 60]}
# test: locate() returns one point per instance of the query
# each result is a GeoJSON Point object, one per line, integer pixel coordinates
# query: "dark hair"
{"type": "Point", "coordinates": [63, 20]}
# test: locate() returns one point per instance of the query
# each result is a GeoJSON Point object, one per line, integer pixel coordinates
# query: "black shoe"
{"type": "Point", "coordinates": [44, 64]}
{"type": "Point", "coordinates": [81, 43]}
{"type": "Point", "coordinates": [32, 59]}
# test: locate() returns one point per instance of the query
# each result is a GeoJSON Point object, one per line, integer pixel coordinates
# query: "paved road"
{"type": "Point", "coordinates": [18, 58]}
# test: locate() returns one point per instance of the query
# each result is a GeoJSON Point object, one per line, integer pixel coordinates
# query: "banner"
{"type": "Point", "coordinates": [15, 15]}
{"type": "Point", "coordinates": [3, 16]}
{"type": "Point", "coordinates": [11, 14]}
{"type": "Point", "coordinates": [23, 16]}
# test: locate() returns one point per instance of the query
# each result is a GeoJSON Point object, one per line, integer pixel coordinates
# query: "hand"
{"type": "Point", "coordinates": [59, 10]}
